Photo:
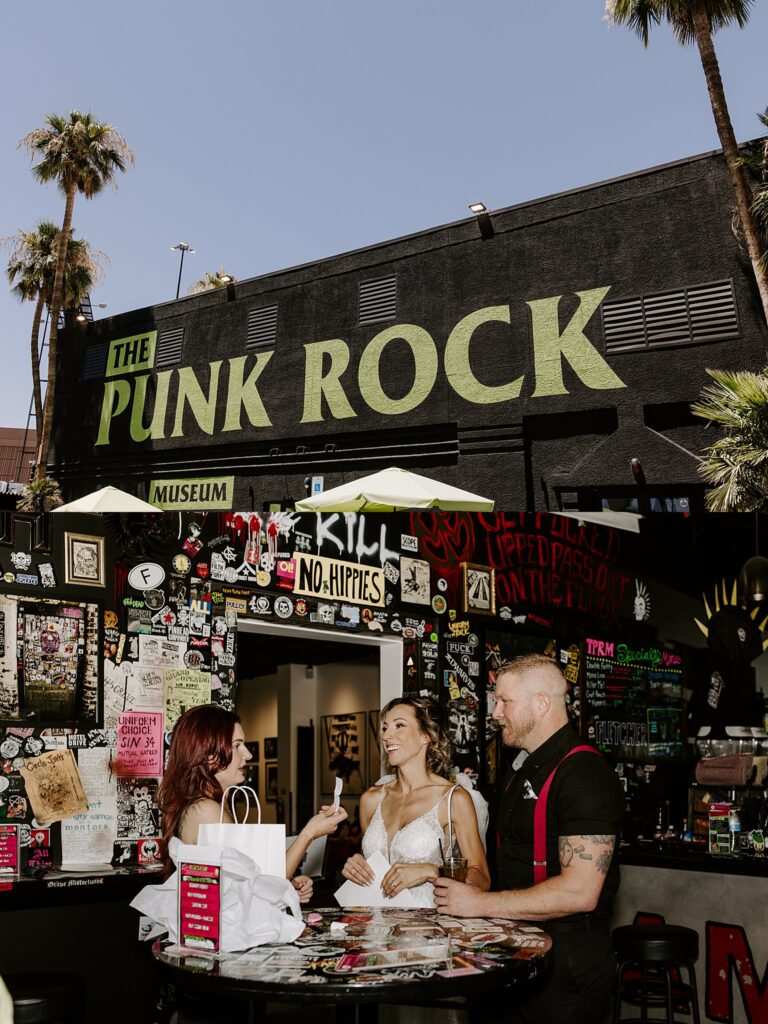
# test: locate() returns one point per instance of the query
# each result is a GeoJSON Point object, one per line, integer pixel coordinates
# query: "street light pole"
{"type": "Point", "coordinates": [182, 247]}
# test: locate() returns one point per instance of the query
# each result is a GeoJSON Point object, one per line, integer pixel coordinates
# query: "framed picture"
{"type": "Point", "coordinates": [84, 560]}
{"type": "Point", "coordinates": [270, 782]}
{"type": "Point", "coordinates": [270, 748]}
{"type": "Point", "coordinates": [478, 589]}
{"type": "Point", "coordinates": [253, 750]}
{"type": "Point", "coordinates": [51, 665]}
{"type": "Point", "coordinates": [375, 770]}
{"type": "Point", "coordinates": [342, 752]}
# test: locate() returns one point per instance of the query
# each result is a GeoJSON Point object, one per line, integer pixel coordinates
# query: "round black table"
{"type": "Point", "coordinates": [430, 960]}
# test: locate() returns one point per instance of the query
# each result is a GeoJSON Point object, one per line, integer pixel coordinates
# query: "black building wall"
{"type": "Point", "coordinates": [666, 230]}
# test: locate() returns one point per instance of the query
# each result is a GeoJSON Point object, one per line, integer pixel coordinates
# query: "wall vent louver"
{"type": "Point", "coordinates": [377, 300]}
{"type": "Point", "coordinates": [262, 327]}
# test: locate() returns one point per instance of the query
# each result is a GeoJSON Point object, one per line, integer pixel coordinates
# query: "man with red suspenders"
{"type": "Point", "coordinates": [558, 828]}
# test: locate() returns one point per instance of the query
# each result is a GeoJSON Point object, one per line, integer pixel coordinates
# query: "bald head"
{"type": "Point", "coordinates": [530, 700]}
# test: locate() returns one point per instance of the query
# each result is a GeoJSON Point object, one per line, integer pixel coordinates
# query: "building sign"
{"type": "Point", "coordinates": [162, 406]}
{"type": "Point", "coordinates": [206, 492]}
{"type": "Point", "coordinates": [337, 580]}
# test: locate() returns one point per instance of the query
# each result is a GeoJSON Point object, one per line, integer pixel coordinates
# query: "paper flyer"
{"type": "Point", "coordinates": [139, 748]}
{"type": "Point", "coordinates": [184, 688]}
{"type": "Point", "coordinates": [199, 906]}
{"type": "Point", "coordinates": [87, 839]}
{"type": "Point", "coordinates": [54, 787]}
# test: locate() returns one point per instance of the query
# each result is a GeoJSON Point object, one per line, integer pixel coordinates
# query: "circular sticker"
{"type": "Point", "coordinates": [4, 783]}
{"type": "Point", "coordinates": [301, 607]}
{"type": "Point", "coordinates": [9, 577]}
{"type": "Point", "coordinates": [283, 607]}
{"type": "Point", "coordinates": [472, 640]}
{"type": "Point", "coordinates": [263, 578]}
{"type": "Point", "coordinates": [181, 564]}
{"type": "Point", "coordinates": [439, 604]}
{"type": "Point", "coordinates": [366, 614]}
{"type": "Point", "coordinates": [230, 574]}
{"type": "Point", "coordinates": [442, 584]}
{"type": "Point", "coordinates": [110, 620]}
{"type": "Point", "coordinates": [154, 599]}
{"type": "Point", "coordinates": [262, 604]}
{"type": "Point", "coordinates": [193, 659]}
{"type": "Point", "coordinates": [433, 637]}
{"type": "Point", "coordinates": [146, 576]}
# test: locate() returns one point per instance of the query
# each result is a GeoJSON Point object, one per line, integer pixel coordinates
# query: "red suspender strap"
{"type": "Point", "coordinates": [540, 819]}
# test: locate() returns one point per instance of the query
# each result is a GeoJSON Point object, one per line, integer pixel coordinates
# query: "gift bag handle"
{"type": "Point", "coordinates": [239, 789]}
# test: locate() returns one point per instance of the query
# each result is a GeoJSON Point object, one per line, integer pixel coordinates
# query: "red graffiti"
{"type": "Point", "coordinates": [553, 560]}
{"type": "Point", "coordinates": [729, 954]}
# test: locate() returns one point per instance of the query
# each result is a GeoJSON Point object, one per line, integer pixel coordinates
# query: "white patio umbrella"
{"type": "Point", "coordinates": [392, 489]}
{"type": "Point", "coordinates": [108, 499]}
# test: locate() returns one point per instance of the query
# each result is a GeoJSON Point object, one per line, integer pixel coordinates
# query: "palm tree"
{"type": "Point", "coordinates": [31, 271]}
{"type": "Point", "coordinates": [756, 158]}
{"type": "Point", "coordinates": [736, 464]}
{"type": "Point", "coordinates": [211, 279]}
{"type": "Point", "coordinates": [697, 21]}
{"type": "Point", "coordinates": [83, 155]}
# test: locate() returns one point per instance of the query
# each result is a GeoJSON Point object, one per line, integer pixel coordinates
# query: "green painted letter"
{"type": "Point", "coordinates": [316, 385]}
{"type": "Point", "coordinates": [549, 346]}
{"type": "Point", "coordinates": [424, 357]}
{"type": "Point", "coordinates": [157, 427]}
{"type": "Point", "coordinates": [117, 394]}
{"type": "Point", "coordinates": [245, 393]}
{"type": "Point", "coordinates": [203, 409]}
{"type": "Point", "coordinates": [457, 365]}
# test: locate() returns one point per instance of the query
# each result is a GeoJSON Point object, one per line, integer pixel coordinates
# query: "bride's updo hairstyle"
{"type": "Point", "coordinates": [432, 722]}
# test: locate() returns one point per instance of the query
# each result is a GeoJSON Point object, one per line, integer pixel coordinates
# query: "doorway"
{"type": "Point", "coordinates": [291, 677]}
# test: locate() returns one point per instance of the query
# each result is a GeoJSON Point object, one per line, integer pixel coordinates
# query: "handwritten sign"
{"type": "Point", "coordinates": [139, 744]}
{"type": "Point", "coordinates": [54, 786]}
{"type": "Point", "coordinates": [336, 580]}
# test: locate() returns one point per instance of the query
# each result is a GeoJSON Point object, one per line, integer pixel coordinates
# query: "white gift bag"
{"type": "Point", "coordinates": [264, 844]}
{"type": "Point", "coordinates": [253, 906]}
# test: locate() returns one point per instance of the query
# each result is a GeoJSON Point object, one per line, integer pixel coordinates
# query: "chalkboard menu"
{"type": "Point", "coordinates": [633, 699]}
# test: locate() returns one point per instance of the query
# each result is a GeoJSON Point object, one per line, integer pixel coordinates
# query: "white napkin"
{"type": "Point", "coordinates": [350, 894]}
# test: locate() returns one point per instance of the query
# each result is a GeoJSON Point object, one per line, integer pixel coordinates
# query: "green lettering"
{"type": "Point", "coordinates": [202, 408]}
{"type": "Point", "coordinates": [244, 393]}
{"type": "Point", "coordinates": [317, 385]}
{"type": "Point", "coordinates": [458, 369]}
{"type": "Point", "coordinates": [117, 394]}
{"type": "Point", "coordinates": [549, 346]}
{"type": "Point", "coordinates": [156, 428]}
{"type": "Point", "coordinates": [425, 375]}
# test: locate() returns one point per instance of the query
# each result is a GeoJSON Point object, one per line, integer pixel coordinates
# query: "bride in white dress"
{"type": "Point", "coordinates": [407, 819]}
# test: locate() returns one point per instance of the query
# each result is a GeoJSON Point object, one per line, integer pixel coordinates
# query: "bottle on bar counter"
{"type": "Point", "coordinates": [734, 831]}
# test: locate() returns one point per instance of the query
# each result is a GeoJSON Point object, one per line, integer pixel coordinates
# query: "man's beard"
{"type": "Point", "coordinates": [516, 735]}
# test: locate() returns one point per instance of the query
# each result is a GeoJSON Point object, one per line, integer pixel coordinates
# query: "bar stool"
{"type": "Point", "coordinates": [658, 951]}
{"type": "Point", "coordinates": [46, 997]}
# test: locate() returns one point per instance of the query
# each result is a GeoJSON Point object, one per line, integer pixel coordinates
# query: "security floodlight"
{"type": "Point", "coordinates": [478, 207]}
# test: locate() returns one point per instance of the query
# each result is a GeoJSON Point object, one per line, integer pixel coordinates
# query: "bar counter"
{"type": "Point", "coordinates": [724, 899]}
{"type": "Point", "coordinates": [684, 856]}
{"type": "Point", "coordinates": [81, 923]}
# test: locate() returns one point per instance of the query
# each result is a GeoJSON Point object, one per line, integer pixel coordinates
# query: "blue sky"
{"type": "Point", "coordinates": [271, 134]}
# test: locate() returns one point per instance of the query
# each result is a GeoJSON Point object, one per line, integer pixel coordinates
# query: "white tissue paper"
{"type": "Point", "coordinates": [253, 905]}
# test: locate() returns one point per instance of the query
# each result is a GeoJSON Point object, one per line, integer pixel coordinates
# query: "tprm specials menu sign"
{"type": "Point", "coordinates": [200, 906]}
{"type": "Point", "coordinates": [9, 849]}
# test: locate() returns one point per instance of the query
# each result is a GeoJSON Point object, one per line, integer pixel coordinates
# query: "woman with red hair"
{"type": "Point", "coordinates": [208, 754]}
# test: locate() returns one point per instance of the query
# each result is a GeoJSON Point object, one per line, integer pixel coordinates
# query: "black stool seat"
{"type": "Point", "coordinates": [46, 997]}
{"type": "Point", "coordinates": [649, 958]}
{"type": "Point", "coordinates": [656, 943]}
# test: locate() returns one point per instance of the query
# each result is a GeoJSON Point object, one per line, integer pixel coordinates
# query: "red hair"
{"type": "Point", "coordinates": [201, 746]}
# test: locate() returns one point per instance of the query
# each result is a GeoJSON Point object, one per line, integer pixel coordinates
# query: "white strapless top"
{"type": "Point", "coordinates": [418, 842]}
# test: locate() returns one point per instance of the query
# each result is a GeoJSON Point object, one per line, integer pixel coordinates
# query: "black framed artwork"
{"type": "Point", "coordinates": [270, 783]}
{"type": "Point", "coordinates": [342, 752]}
{"type": "Point", "coordinates": [270, 748]}
{"type": "Point", "coordinates": [51, 672]}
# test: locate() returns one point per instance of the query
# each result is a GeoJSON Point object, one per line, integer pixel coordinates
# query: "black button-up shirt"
{"type": "Point", "coordinates": [585, 799]}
